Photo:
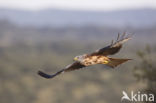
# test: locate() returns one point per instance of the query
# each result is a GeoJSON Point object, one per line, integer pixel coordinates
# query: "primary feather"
{"type": "Point", "coordinates": [114, 47]}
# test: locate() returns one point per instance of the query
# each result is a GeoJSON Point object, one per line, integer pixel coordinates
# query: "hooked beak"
{"type": "Point", "coordinates": [75, 59]}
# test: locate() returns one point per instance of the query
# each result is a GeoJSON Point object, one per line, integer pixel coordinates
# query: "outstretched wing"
{"type": "Point", "coordinates": [114, 47]}
{"type": "Point", "coordinates": [71, 67]}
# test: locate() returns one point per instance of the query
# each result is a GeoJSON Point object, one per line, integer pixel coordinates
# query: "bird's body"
{"type": "Point", "coordinates": [92, 60]}
{"type": "Point", "coordinates": [98, 57]}
{"type": "Point", "coordinates": [89, 60]}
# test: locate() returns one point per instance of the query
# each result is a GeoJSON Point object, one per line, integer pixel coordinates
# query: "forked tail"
{"type": "Point", "coordinates": [114, 62]}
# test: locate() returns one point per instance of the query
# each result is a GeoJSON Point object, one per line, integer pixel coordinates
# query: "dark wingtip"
{"type": "Point", "coordinates": [42, 74]}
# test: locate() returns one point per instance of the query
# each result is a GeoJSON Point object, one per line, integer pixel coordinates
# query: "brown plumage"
{"type": "Point", "coordinates": [98, 57]}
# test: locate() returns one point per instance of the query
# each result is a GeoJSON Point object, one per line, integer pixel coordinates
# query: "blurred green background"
{"type": "Point", "coordinates": [27, 46]}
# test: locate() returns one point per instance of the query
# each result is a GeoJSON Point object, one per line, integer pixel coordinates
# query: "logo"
{"type": "Point", "coordinates": [138, 96]}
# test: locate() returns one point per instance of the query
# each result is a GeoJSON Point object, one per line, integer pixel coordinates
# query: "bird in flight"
{"type": "Point", "coordinates": [100, 56]}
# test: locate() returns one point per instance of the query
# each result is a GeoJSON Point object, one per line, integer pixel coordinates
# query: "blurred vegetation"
{"type": "Point", "coordinates": [145, 71]}
{"type": "Point", "coordinates": [25, 50]}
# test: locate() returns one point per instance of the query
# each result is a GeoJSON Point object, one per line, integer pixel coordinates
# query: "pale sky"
{"type": "Point", "coordinates": [78, 4]}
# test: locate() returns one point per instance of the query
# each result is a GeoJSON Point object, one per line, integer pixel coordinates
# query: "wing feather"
{"type": "Point", "coordinates": [113, 47]}
{"type": "Point", "coordinates": [71, 67]}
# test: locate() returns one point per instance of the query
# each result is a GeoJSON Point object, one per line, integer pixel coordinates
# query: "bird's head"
{"type": "Point", "coordinates": [80, 57]}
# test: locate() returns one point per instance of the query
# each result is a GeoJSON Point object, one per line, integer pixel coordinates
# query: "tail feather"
{"type": "Point", "coordinates": [42, 74]}
{"type": "Point", "coordinates": [114, 62]}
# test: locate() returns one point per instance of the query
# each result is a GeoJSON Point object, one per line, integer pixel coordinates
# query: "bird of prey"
{"type": "Point", "coordinates": [98, 57]}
